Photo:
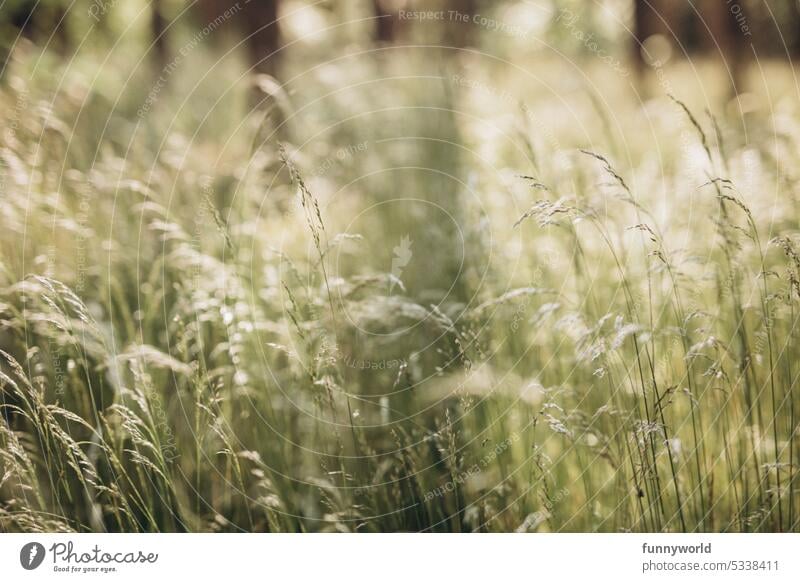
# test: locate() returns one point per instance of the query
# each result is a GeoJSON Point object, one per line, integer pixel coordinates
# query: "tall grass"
{"type": "Point", "coordinates": [200, 338]}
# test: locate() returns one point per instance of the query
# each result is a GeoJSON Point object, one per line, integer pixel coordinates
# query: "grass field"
{"type": "Point", "coordinates": [397, 295]}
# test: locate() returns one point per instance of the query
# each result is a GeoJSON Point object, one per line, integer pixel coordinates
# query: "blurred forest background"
{"type": "Point", "coordinates": [262, 31]}
{"type": "Point", "coordinates": [693, 27]}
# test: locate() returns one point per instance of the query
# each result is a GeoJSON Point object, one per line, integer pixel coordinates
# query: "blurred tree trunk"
{"type": "Point", "coordinates": [256, 21]}
{"type": "Point", "coordinates": [385, 22]}
{"type": "Point", "coordinates": [260, 20]}
{"type": "Point", "coordinates": [644, 24]}
{"type": "Point", "coordinates": [41, 22]}
{"type": "Point", "coordinates": [725, 36]}
{"type": "Point", "coordinates": [794, 27]}
{"type": "Point", "coordinates": [653, 17]}
{"type": "Point", "coordinates": [461, 34]}
{"type": "Point", "coordinates": [37, 21]}
{"type": "Point", "coordinates": [61, 32]}
{"type": "Point", "coordinates": [158, 28]}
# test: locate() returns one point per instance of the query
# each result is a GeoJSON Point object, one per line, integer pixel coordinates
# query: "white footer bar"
{"type": "Point", "coordinates": [406, 557]}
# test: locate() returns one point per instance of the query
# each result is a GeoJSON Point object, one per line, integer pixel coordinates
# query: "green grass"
{"type": "Point", "coordinates": [211, 321]}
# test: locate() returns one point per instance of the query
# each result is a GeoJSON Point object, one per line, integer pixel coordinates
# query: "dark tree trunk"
{"type": "Point", "coordinates": [642, 28]}
{"type": "Point", "coordinates": [653, 17]}
{"type": "Point", "coordinates": [458, 33]}
{"type": "Point", "coordinates": [158, 27]}
{"type": "Point", "coordinates": [727, 36]}
{"type": "Point", "coordinates": [794, 24]}
{"type": "Point", "coordinates": [260, 20]}
{"type": "Point", "coordinates": [385, 22]}
{"type": "Point", "coordinates": [256, 21]}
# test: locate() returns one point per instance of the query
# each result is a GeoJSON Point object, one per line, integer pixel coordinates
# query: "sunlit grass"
{"type": "Point", "coordinates": [589, 325]}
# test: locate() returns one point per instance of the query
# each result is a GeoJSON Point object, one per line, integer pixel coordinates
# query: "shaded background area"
{"type": "Point", "coordinates": [732, 30]}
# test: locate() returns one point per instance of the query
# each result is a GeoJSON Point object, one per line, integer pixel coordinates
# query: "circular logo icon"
{"type": "Point", "coordinates": [31, 555]}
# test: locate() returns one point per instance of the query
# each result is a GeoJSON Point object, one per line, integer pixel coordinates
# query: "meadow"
{"type": "Point", "coordinates": [397, 293]}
